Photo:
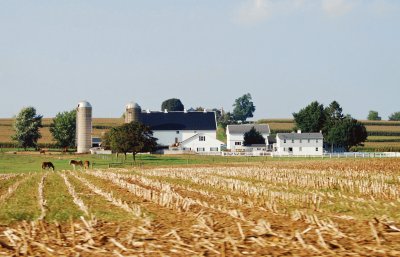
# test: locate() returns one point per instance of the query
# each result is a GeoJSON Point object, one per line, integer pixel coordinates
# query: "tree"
{"type": "Point", "coordinates": [26, 125]}
{"type": "Point", "coordinates": [225, 120]}
{"type": "Point", "coordinates": [311, 118]}
{"type": "Point", "coordinates": [243, 108]}
{"type": "Point", "coordinates": [63, 129]}
{"type": "Point", "coordinates": [131, 137]}
{"type": "Point", "coordinates": [373, 115]}
{"type": "Point", "coordinates": [338, 129]}
{"type": "Point", "coordinates": [395, 116]}
{"type": "Point", "coordinates": [252, 137]}
{"type": "Point", "coordinates": [172, 105]}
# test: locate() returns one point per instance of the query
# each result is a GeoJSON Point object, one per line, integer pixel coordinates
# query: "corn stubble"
{"type": "Point", "coordinates": [225, 211]}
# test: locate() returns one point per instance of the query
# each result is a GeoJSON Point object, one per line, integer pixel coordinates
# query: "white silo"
{"type": "Point", "coordinates": [132, 112]}
{"type": "Point", "coordinates": [84, 127]}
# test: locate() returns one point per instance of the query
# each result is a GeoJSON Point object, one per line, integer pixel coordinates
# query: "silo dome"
{"type": "Point", "coordinates": [84, 104]}
{"type": "Point", "coordinates": [84, 127]}
{"type": "Point", "coordinates": [132, 105]}
{"type": "Point", "coordinates": [132, 112]}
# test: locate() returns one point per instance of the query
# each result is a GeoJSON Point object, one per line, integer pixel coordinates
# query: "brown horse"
{"type": "Point", "coordinates": [76, 163]}
{"type": "Point", "coordinates": [86, 164]}
{"type": "Point", "coordinates": [47, 165]}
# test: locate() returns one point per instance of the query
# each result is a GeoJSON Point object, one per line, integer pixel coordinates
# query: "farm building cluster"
{"type": "Point", "coordinates": [196, 132]}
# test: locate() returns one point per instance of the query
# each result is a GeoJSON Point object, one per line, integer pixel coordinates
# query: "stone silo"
{"type": "Point", "coordinates": [132, 112]}
{"type": "Point", "coordinates": [84, 127]}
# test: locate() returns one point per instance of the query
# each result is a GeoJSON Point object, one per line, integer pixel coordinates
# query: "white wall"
{"type": "Point", "coordinates": [238, 137]}
{"type": "Point", "coordinates": [194, 143]}
{"type": "Point", "coordinates": [167, 137]}
{"type": "Point", "coordinates": [300, 148]}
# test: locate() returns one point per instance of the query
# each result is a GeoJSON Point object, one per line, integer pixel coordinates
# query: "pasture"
{"type": "Point", "coordinates": [209, 208]}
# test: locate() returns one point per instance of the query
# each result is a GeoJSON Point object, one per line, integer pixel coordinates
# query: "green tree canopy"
{"type": "Point", "coordinates": [338, 130]}
{"type": "Point", "coordinates": [253, 137]}
{"type": "Point", "coordinates": [63, 129]}
{"type": "Point", "coordinates": [311, 118]}
{"type": "Point", "coordinates": [26, 125]}
{"type": "Point", "coordinates": [373, 115]}
{"type": "Point", "coordinates": [132, 137]}
{"type": "Point", "coordinates": [172, 105]}
{"type": "Point", "coordinates": [243, 108]}
{"type": "Point", "coordinates": [395, 116]}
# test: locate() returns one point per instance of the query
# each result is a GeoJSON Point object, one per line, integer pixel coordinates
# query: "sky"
{"type": "Point", "coordinates": [285, 53]}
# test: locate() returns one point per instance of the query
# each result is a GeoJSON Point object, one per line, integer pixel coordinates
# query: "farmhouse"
{"type": "Point", "coordinates": [191, 131]}
{"type": "Point", "coordinates": [235, 135]}
{"type": "Point", "coordinates": [299, 143]}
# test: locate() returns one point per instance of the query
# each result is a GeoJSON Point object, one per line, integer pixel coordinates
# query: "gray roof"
{"type": "Point", "coordinates": [291, 136]}
{"type": "Point", "coordinates": [243, 128]}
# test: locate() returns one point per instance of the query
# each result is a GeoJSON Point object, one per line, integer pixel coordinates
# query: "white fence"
{"type": "Point", "coordinates": [325, 155]}
{"type": "Point", "coordinates": [348, 155]}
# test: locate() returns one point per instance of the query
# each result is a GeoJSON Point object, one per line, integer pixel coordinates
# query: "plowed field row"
{"type": "Point", "coordinates": [210, 211]}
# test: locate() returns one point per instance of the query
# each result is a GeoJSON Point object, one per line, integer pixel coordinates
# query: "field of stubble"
{"type": "Point", "coordinates": [300, 208]}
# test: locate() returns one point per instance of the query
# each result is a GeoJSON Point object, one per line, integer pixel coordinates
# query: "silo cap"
{"type": "Point", "coordinates": [132, 105]}
{"type": "Point", "coordinates": [84, 104]}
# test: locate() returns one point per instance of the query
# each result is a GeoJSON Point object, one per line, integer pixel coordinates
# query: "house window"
{"type": "Point", "coordinates": [300, 149]}
{"type": "Point", "coordinates": [201, 149]}
{"type": "Point", "coordinates": [300, 141]}
{"type": "Point", "coordinates": [284, 141]}
{"type": "Point", "coordinates": [213, 149]}
{"type": "Point", "coordinates": [238, 143]}
{"type": "Point", "coordinates": [308, 140]}
{"type": "Point", "coordinates": [316, 149]}
{"type": "Point", "coordinates": [317, 141]}
{"type": "Point", "coordinates": [284, 149]}
{"type": "Point", "coordinates": [202, 138]}
{"type": "Point", "coordinates": [177, 132]}
{"type": "Point", "coordinates": [292, 140]}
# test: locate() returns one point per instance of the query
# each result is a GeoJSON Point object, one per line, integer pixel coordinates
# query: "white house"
{"type": "Point", "coordinates": [235, 135]}
{"type": "Point", "coordinates": [299, 143]}
{"type": "Point", "coordinates": [201, 142]}
{"type": "Point", "coordinates": [194, 131]}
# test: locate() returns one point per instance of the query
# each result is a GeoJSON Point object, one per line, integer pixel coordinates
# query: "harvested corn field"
{"type": "Point", "coordinates": [301, 208]}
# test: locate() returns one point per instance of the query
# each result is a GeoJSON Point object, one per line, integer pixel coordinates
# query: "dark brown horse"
{"type": "Point", "coordinates": [75, 163]}
{"type": "Point", "coordinates": [47, 165]}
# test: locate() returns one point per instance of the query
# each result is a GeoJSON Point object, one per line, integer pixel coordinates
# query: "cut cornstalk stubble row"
{"type": "Point", "coordinates": [42, 201]}
{"type": "Point", "coordinates": [78, 201]}
{"type": "Point", "coordinates": [135, 209]}
{"type": "Point", "coordinates": [12, 189]}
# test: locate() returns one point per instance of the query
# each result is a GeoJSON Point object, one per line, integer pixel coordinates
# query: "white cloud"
{"type": "Point", "coordinates": [337, 7]}
{"type": "Point", "coordinates": [253, 11]}
{"type": "Point", "coordinates": [256, 11]}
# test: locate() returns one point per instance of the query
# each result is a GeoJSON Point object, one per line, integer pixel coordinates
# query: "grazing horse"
{"type": "Point", "coordinates": [42, 151]}
{"type": "Point", "coordinates": [47, 165]}
{"type": "Point", "coordinates": [75, 163]}
{"type": "Point", "coordinates": [86, 164]}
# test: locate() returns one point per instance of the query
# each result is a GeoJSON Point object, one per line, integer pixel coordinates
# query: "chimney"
{"type": "Point", "coordinates": [205, 110]}
{"type": "Point", "coordinates": [165, 111]}
{"type": "Point", "coordinates": [299, 131]}
{"type": "Point", "coordinates": [184, 110]}
{"type": "Point", "coordinates": [148, 111]}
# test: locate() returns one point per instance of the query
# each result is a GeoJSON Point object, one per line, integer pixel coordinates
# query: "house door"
{"type": "Point", "coordinates": [290, 149]}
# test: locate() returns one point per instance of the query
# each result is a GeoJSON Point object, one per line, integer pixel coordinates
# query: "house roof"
{"type": "Point", "coordinates": [291, 136]}
{"type": "Point", "coordinates": [243, 128]}
{"type": "Point", "coordinates": [179, 120]}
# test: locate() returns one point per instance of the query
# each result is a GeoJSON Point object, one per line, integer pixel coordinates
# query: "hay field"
{"type": "Point", "coordinates": [302, 208]}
